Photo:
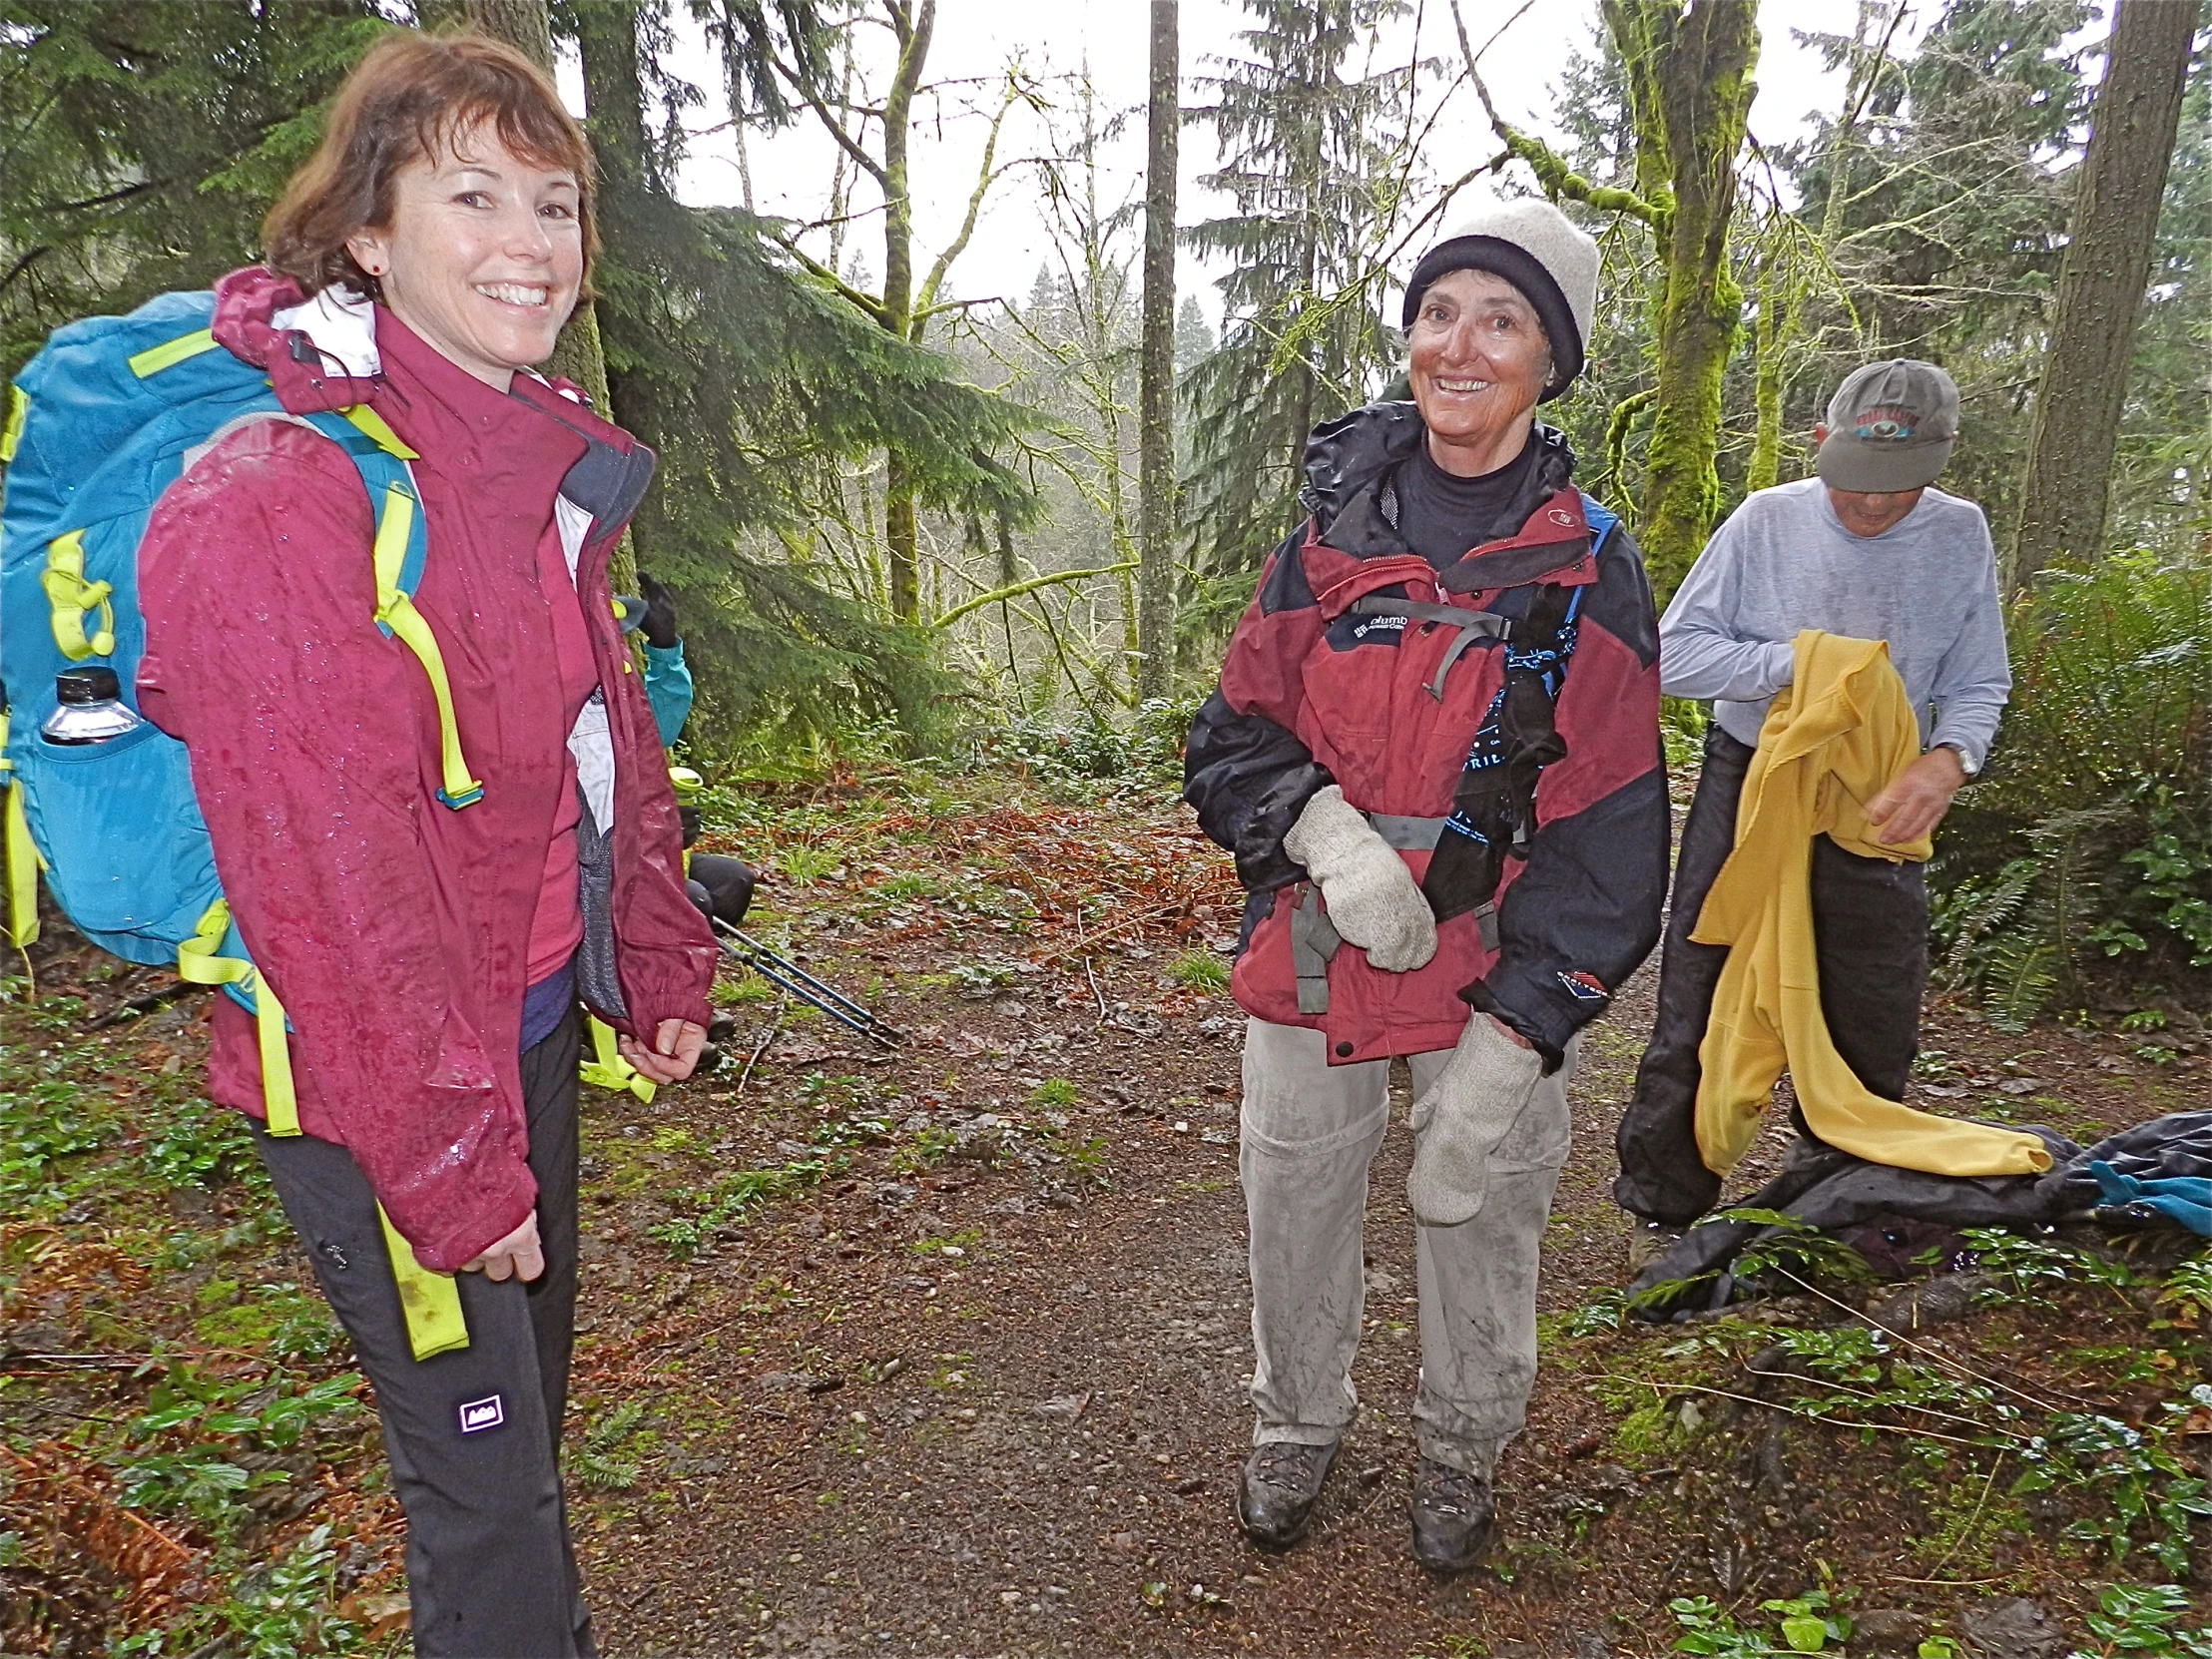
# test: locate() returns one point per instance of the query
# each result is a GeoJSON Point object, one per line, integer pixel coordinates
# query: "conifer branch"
{"type": "Point", "coordinates": [867, 302]}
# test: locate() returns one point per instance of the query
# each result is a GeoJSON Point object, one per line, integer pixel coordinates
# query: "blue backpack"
{"type": "Point", "coordinates": [98, 424]}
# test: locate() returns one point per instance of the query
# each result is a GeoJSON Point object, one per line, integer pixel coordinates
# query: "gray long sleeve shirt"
{"type": "Point", "coordinates": [1784, 562]}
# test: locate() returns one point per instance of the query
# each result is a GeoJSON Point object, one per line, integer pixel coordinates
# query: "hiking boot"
{"type": "Point", "coordinates": [1453, 1517]}
{"type": "Point", "coordinates": [1277, 1489]}
{"type": "Point", "coordinates": [1648, 1241]}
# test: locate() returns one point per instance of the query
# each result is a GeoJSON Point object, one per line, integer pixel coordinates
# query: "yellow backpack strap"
{"type": "Point", "coordinates": [199, 961]}
{"type": "Point", "coordinates": [11, 431]}
{"type": "Point", "coordinates": [69, 599]}
{"type": "Point", "coordinates": [607, 1069]}
{"type": "Point", "coordinates": [18, 854]}
{"type": "Point", "coordinates": [431, 1302]}
{"type": "Point", "coordinates": [395, 612]}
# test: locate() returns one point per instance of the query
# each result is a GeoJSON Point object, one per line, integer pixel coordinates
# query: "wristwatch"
{"type": "Point", "coordinates": [1967, 763]}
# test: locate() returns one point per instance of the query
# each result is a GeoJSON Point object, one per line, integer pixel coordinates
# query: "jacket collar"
{"type": "Point", "coordinates": [1352, 465]}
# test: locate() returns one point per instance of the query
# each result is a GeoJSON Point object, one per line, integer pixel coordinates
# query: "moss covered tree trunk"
{"type": "Point", "coordinates": [1156, 371]}
{"type": "Point", "coordinates": [1689, 94]}
{"type": "Point", "coordinates": [900, 536]}
{"type": "Point", "coordinates": [2100, 284]}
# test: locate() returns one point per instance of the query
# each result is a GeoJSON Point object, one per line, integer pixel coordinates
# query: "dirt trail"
{"type": "Point", "coordinates": [1050, 1465]}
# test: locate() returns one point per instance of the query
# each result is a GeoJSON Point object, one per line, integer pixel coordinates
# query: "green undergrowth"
{"type": "Point", "coordinates": [2061, 1421]}
{"type": "Point", "coordinates": [139, 1233]}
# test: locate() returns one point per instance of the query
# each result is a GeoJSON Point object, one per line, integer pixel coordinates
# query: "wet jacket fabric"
{"type": "Point", "coordinates": [1834, 739]}
{"type": "Point", "coordinates": [394, 929]}
{"type": "Point", "coordinates": [1314, 692]}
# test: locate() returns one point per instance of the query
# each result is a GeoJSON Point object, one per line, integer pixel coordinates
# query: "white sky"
{"type": "Point", "coordinates": [976, 38]}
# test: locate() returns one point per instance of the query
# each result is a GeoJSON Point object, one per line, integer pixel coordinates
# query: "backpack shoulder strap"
{"type": "Point", "coordinates": [401, 549]}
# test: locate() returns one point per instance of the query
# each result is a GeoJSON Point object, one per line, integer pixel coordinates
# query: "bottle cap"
{"type": "Point", "coordinates": [87, 684]}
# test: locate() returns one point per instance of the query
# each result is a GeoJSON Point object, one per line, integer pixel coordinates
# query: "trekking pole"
{"type": "Point", "coordinates": [789, 976]}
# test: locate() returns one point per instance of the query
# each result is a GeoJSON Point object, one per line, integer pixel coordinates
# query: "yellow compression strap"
{"type": "Point", "coordinates": [396, 612]}
{"type": "Point", "coordinates": [169, 353]}
{"type": "Point", "coordinates": [69, 599]}
{"type": "Point", "coordinates": [430, 1301]}
{"type": "Point", "coordinates": [198, 963]}
{"type": "Point", "coordinates": [607, 1069]}
{"type": "Point", "coordinates": [19, 856]}
{"type": "Point", "coordinates": [375, 424]}
{"type": "Point", "coordinates": [11, 434]}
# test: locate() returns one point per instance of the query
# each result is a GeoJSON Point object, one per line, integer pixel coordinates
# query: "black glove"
{"type": "Point", "coordinates": [727, 883]}
{"type": "Point", "coordinates": [659, 625]}
{"type": "Point", "coordinates": [687, 817]}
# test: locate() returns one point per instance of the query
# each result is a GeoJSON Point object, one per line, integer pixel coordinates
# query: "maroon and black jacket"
{"type": "Point", "coordinates": [1313, 692]}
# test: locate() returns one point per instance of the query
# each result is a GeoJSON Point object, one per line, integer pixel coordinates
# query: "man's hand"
{"type": "Point", "coordinates": [1916, 801]}
{"type": "Point", "coordinates": [675, 1050]}
{"type": "Point", "coordinates": [517, 1256]}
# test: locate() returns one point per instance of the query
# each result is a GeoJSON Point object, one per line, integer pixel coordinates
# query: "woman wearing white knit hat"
{"type": "Point", "coordinates": [1435, 752]}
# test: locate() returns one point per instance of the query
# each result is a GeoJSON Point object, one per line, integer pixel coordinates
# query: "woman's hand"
{"type": "Point", "coordinates": [675, 1050]}
{"type": "Point", "coordinates": [517, 1256]}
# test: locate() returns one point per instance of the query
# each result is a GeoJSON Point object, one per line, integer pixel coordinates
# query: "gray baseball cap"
{"type": "Point", "coordinates": [1891, 426]}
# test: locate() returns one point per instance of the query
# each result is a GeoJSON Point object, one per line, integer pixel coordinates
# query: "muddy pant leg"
{"type": "Point", "coordinates": [1662, 1175]}
{"type": "Point", "coordinates": [471, 1444]}
{"type": "Point", "coordinates": [1478, 1286]}
{"type": "Point", "coordinates": [1309, 1131]}
{"type": "Point", "coordinates": [1870, 934]}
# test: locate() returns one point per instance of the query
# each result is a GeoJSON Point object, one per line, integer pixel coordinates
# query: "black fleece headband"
{"type": "Point", "coordinates": [1528, 274]}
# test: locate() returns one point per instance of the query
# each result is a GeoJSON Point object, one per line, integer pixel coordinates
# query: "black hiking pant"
{"type": "Point", "coordinates": [474, 1436]}
{"type": "Point", "coordinates": [1870, 928]}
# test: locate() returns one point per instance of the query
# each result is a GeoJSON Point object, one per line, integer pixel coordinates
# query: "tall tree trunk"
{"type": "Point", "coordinates": [2100, 284]}
{"type": "Point", "coordinates": [912, 30]}
{"type": "Point", "coordinates": [527, 26]}
{"type": "Point", "coordinates": [1689, 94]}
{"type": "Point", "coordinates": [1156, 531]}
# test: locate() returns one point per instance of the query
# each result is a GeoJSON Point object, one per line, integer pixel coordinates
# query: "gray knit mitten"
{"type": "Point", "coordinates": [1372, 899]}
{"type": "Point", "coordinates": [1471, 1107]}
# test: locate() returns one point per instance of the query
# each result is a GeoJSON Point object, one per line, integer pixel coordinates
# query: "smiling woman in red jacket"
{"type": "Point", "coordinates": [430, 951]}
{"type": "Point", "coordinates": [1435, 752]}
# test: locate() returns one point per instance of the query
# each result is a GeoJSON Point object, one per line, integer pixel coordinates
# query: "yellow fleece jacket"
{"type": "Point", "coordinates": [1833, 741]}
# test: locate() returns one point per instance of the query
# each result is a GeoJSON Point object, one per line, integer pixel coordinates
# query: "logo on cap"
{"type": "Point", "coordinates": [1885, 423]}
{"type": "Point", "coordinates": [480, 1415]}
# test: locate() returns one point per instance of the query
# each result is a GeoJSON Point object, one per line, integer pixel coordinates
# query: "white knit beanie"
{"type": "Point", "coordinates": [1542, 253]}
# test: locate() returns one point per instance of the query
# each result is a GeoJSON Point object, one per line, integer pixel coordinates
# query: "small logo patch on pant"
{"type": "Point", "coordinates": [480, 1414]}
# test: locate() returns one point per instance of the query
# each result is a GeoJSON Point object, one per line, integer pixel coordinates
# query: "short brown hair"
{"type": "Point", "coordinates": [411, 95]}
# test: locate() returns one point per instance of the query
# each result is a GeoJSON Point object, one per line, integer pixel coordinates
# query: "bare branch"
{"type": "Point", "coordinates": [985, 176]}
{"type": "Point", "coordinates": [1550, 166]}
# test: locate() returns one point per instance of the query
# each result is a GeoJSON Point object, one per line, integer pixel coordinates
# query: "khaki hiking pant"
{"type": "Point", "coordinates": [1309, 1131]}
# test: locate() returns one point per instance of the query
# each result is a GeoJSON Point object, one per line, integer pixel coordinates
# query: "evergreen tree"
{"type": "Point", "coordinates": [1304, 139]}
{"type": "Point", "coordinates": [758, 384]}
{"type": "Point", "coordinates": [141, 141]}
{"type": "Point", "coordinates": [1951, 220]}
{"type": "Point", "coordinates": [2108, 266]}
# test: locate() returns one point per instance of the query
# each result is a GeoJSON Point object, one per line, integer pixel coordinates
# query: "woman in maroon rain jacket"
{"type": "Point", "coordinates": [429, 958]}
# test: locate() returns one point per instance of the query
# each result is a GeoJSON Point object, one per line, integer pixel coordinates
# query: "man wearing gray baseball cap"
{"type": "Point", "coordinates": [1870, 550]}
